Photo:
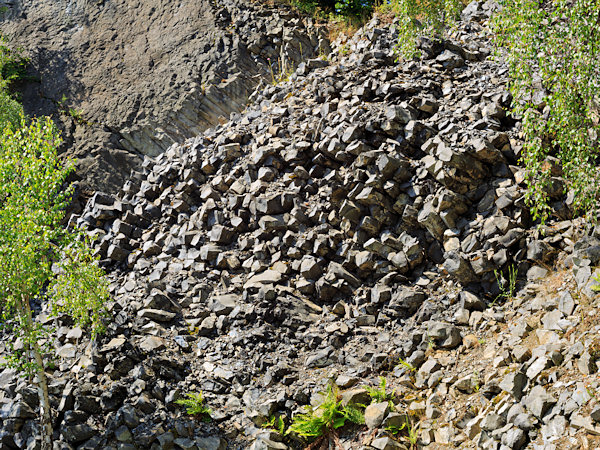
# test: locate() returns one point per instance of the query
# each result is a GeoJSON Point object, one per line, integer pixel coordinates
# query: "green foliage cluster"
{"type": "Point", "coordinates": [411, 433]}
{"type": "Point", "coordinates": [13, 65]}
{"type": "Point", "coordinates": [12, 68]}
{"type": "Point", "coordinates": [277, 423]}
{"type": "Point", "coordinates": [194, 405]}
{"type": "Point", "coordinates": [553, 52]}
{"type": "Point", "coordinates": [327, 417]}
{"type": "Point", "coordinates": [380, 394]}
{"type": "Point", "coordinates": [421, 18]}
{"type": "Point", "coordinates": [508, 286]}
{"type": "Point", "coordinates": [341, 8]}
{"type": "Point", "coordinates": [408, 366]}
{"type": "Point", "coordinates": [40, 259]}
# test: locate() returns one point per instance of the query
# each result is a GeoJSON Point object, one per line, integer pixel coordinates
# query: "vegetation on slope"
{"type": "Point", "coordinates": [40, 260]}
{"type": "Point", "coordinates": [11, 69]}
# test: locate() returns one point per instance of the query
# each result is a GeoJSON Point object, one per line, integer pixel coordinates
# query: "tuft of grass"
{"type": "Point", "coordinates": [327, 417]}
{"type": "Point", "coordinates": [410, 432]}
{"type": "Point", "coordinates": [413, 434]}
{"type": "Point", "coordinates": [194, 405]}
{"type": "Point", "coordinates": [507, 287]}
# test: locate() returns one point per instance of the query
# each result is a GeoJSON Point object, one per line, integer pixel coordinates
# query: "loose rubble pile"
{"type": "Point", "coordinates": [127, 78]}
{"type": "Point", "coordinates": [352, 218]}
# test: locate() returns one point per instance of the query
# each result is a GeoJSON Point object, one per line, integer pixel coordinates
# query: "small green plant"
{"type": "Point", "coordinates": [326, 418]}
{"type": "Point", "coordinates": [410, 432]}
{"type": "Point", "coordinates": [413, 434]}
{"type": "Point", "coordinates": [344, 49]}
{"type": "Point", "coordinates": [430, 343]}
{"type": "Point", "coordinates": [392, 429]}
{"type": "Point", "coordinates": [273, 78]}
{"type": "Point", "coordinates": [407, 365]}
{"type": "Point", "coordinates": [283, 73]}
{"type": "Point", "coordinates": [476, 378]}
{"type": "Point", "coordinates": [507, 287]}
{"type": "Point", "coordinates": [193, 329]}
{"type": "Point", "coordinates": [379, 394]}
{"type": "Point", "coordinates": [194, 404]}
{"type": "Point", "coordinates": [596, 287]}
{"type": "Point", "coordinates": [322, 54]}
{"type": "Point", "coordinates": [277, 423]}
{"type": "Point", "coordinates": [76, 114]}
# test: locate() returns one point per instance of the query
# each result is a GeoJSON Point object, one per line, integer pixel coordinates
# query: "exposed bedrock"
{"type": "Point", "coordinates": [128, 78]}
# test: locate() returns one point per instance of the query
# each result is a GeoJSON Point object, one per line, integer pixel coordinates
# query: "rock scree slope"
{"type": "Point", "coordinates": [129, 78]}
{"type": "Point", "coordinates": [351, 216]}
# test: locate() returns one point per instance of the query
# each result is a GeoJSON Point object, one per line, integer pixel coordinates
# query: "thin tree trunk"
{"type": "Point", "coordinates": [45, 413]}
{"type": "Point", "coordinates": [42, 382]}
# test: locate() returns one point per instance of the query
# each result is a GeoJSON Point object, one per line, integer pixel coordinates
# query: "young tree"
{"type": "Point", "coordinates": [41, 261]}
{"type": "Point", "coordinates": [553, 55]}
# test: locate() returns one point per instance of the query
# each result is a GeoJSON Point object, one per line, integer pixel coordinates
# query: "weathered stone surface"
{"type": "Point", "coordinates": [444, 334]}
{"type": "Point", "coordinates": [157, 315]}
{"type": "Point", "coordinates": [514, 384]}
{"type": "Point", "coordinates": [375, 413]}
{"type": "Point", "coordinates": [358, 396]}
{"type": "Point", "coordinates": [124, 112]}
{"type": "Point", "coordinates": [386, 443]}
{"type": "Point", "coordinates": [538, 401]}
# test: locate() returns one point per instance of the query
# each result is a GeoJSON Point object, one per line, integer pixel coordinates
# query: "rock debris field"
{"type": "Point", "coordinates": [350, 224]}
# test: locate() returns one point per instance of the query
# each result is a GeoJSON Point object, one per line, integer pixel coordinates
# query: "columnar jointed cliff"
{"type": "Point", "coordinates": [133, 77]}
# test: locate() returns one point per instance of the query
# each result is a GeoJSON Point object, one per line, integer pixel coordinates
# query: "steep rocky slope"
{"type": "Point", "coordinates": [129, 78]}
{"type": "Point", "coordinates": [350, 219]}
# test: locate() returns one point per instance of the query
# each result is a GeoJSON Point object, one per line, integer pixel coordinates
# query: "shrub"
{"type": "Point", "coordinates": [553, 53]}
{"type": "Point", "coordinates": [421, 18]}
{"type": "Point", "coordinates": [13, 64]}
{"type": "Point", "coordinates": [344, 8]}
{"type": "Point", "coordinates": [354, 8]}
{"type": "Point", "coordinates": [10, 110]}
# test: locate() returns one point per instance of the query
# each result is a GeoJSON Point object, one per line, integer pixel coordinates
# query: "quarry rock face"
{"type": "Point", "coordinates": [129, 78]}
